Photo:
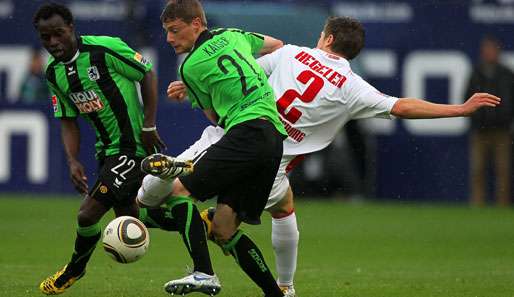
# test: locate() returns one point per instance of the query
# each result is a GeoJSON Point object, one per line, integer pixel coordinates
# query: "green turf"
{"type": "Point", "coordinates": [346, 250]}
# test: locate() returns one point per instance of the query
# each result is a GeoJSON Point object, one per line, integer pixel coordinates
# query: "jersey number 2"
{"type": "Point", "coordinates": [315, 85]}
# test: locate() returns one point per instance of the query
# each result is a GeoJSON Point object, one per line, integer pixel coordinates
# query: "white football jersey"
{"type": "Point", "coordinates": [317, 93]}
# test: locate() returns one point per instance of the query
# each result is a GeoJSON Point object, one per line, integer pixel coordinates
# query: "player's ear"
{"type": "Point", "coordinates": [197, 23]}
{"type": "Point", "coordinates": [71, 27]}
{"type": "Point", "coordinates": [329, 40]}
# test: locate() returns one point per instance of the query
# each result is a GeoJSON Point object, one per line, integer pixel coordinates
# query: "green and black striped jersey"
{"type": "Point", "coordinates": [99, 84]}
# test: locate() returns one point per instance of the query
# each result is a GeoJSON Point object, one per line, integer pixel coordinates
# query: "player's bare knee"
{"type": "Point", "coordinates": [284, 207]}
{"type": "Point", "coordinates": [281, 212]}
{"type": "Point", "coordinates": [222, 234]}
{"type": "Point", "coordinates": [85, 219]}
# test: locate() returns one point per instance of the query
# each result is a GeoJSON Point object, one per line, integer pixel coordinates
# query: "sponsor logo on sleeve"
{"type": "Point", "coordinates": [87, 101]}
{"type": "Point", "coordinates": [138, 57]}
{"type": "Point", "coordinates": [54, 103]}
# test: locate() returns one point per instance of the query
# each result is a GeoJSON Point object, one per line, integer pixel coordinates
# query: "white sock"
{"type": "Point", "coordinates": [284, 238]}
{"type": "Point", "coordinates": [154, 191]}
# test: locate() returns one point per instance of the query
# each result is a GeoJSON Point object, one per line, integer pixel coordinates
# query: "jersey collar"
{"type": "Point", "coordinates": [79, 46]}
{"type": "Point", "coordinates": [332, 56]}
{"type": "Point", "coordinates": [202, 38]}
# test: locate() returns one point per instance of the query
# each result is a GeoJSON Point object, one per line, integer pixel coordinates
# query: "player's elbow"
{"type": "Point", "coordinates": [279, 43]}
{"type": "Point", "coordinates": [401, 109]}
{"type": "Point", "coordinates": [270, 45]}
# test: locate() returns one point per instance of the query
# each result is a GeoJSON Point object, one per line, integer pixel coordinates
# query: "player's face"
{"type": "Point", "coordinates": [181, 35]}
{"type": "Point", "coordinates": [57, 38]}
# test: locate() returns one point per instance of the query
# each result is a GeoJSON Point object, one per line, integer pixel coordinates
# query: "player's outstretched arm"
{"type": "Point", "coordinates": [70, 134]}
{"type": "Point", "coordinates": [410, 108]}
{"type": "Point", "coordinates": [149, 136]}
{"type": "Point", "coordinates": [270, 45]}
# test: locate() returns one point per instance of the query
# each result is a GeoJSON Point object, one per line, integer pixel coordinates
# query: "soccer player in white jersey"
{"type": "Point", "coordinates": [317, 93]}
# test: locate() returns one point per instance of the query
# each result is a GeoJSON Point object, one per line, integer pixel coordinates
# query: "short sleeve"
{"type": "Point", "coordinates": [127, 61]}
{"type": "Point", "coordinates": [270, 61]}
{"type": "Point", "coordinates": [365, 101]}
{"type": "Point", "coordinates": [255, 40]}
{"type": "Point", "coordinates": [61, 106]}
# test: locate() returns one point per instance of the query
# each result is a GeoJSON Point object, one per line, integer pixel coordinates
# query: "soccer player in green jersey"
{"type": "Point", "coordinates": [95, 77]}
{"type": "Point", "coordinates": [224, 80]}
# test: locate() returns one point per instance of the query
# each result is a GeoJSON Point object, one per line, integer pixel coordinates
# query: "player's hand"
{"type": "Point", "coordinates": [152, 142]}
{"type": "Point", "coordinates": [177, 91]}
{"type": "Point", "coordinates": [78, 177]}
{"type": "Point", "coordinates": [479, 100]}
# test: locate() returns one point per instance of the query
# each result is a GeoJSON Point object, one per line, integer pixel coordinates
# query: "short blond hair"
{"type": "Point", "coordinates": [185, 10]}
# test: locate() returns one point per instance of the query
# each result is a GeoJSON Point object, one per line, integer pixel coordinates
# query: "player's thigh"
{"type": "Point", "coordinates": [225, 163]}
{"type": "Point", "coordinates": [210, 136]}
{"type": "Point", "coordinates": [249, 196]}
{"type": "Point", "coordinates": [284, 207]}
{"type": "Point", "coordinates": [280, 184]}
{"type": "Point", "coordinates": [118, 181]}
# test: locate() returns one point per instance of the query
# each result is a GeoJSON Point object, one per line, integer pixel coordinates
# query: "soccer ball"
{"type": "Point", "coordinates": [126, 239]}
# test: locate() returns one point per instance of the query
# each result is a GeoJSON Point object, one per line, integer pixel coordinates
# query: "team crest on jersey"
{"type": "Point", "coordinates": [93, 74]}
{"type": "Point", "coordinates": [138, 57]}
{"type": "Point", "coordinates": [87, 101]}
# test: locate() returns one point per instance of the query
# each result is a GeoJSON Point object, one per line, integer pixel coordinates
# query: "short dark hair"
{"type": "Point", "coordinates": [348, 35]}
{"type": "Point", "coordinates": [48, 10]}
{"type": "Point", "coordinates": [186, 10]}
{"type": "Point", "coordinates": [492, 40]}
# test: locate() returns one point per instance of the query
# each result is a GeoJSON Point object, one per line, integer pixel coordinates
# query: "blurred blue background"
{"type": "Point", "coordinates": [423, 49]}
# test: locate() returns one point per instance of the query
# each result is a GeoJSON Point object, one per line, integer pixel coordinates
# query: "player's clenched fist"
{"type": "Point", "coordinates": [177, 91]}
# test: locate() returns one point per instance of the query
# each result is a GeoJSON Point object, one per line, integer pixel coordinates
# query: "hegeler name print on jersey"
{"type": "Point", "coordinates": [330, 74]}
{"type": "Point", "coordinates": [87, 101]}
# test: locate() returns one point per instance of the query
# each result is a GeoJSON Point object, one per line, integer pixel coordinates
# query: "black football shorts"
{"type": "Point", "coordinates": [119, 179]}
{"type": "Point", "coordinates": [239, 169]}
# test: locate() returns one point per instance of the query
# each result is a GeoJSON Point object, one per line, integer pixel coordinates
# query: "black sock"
{"type": "Point", "coordinates": [85, 244]}
{"type": "Point", "coordinates": [191, 227]}
{"type": "Point", "coordinates": [250, 258]}
{"type": "Point", "coordinates": [157, 218]}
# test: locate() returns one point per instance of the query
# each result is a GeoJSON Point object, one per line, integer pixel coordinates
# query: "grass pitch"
{"type": "Point", "coordinates": [346, 250]}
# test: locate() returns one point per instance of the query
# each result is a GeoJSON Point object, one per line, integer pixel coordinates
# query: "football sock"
{"type": "Point", "coordinates": [153, 191]}
{"type": "Point", "coordinates": [250, 258]}
{"type": "Point", "coordinates": [284, 238]}
{"type": "Point", "coordinates": [85, 244]}
{"type": "Point", "coordinates": [191, 227]}
{"type": "Point", "coordinates": [157, 218]}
